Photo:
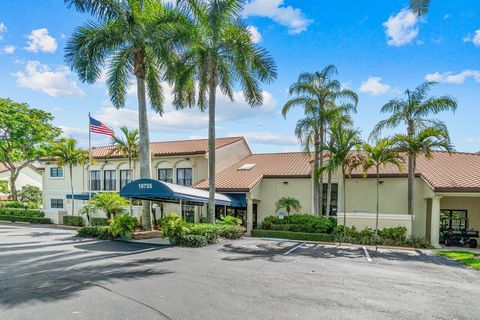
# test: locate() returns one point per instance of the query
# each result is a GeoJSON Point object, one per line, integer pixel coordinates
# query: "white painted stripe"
{"type": "Point", "coordinates": [294, 248]}
{"type": "Point", "coordinates": [367, 254]}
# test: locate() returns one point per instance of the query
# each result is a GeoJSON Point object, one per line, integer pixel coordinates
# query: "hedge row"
{"type": "Point", "coordinates": [214, 231]}
{"type": "Point", "coordinates": [28, 213]}
{"type": "Point", "coordinates": [100, 232]}
{"type": "Point", "coordinates": [25, 219]}
{"type": "Point", "coordinates": [299, 223]}
{"type": "Point", "coordinates": [74, 221]}
{"type": "Point", "coordinates": [100, 222]}
{"type": "Point", "coordinates": [324, 237]}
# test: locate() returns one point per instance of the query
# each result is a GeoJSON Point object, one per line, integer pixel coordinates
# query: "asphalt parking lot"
{"type": "Point", "coordinates": [47, 273]}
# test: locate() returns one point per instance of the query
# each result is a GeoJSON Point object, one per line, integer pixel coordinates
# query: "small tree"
{"type": "Point", "coordinates": [288, 203]}
{"type": "Point", "coordinates": [66, 154]}
{"type": "Point", "coordinates": [30, 194]}
{"type": "Point", "coordinates": [25, 134]}
{"type": "Point", "coordinates": [109, 202]}
{"type": "Point", "coordinates": [4, 187]}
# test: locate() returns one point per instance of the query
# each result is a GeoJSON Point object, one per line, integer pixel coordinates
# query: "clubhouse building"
{"type": "Point", "coordinates": [447, 187]}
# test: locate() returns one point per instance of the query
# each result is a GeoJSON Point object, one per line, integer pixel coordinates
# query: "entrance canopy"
{"type": "Point", "coordinates": [155, 190]}
{"type": "Point", "coordinates": [81, 196]}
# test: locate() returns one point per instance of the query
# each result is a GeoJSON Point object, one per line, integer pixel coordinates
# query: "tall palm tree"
{"type": "Point", "coordinates": [126, 146]}
{"type": "Point", "coordinates": [423, 142]}
{"type": "Point", "coordinates": [344, 156]}
{"type": "Point", "coordinates": [221, 54]}
{"type": "Point", "coordinates": [419, 7]}
{"type": "Point", "coordinates": [381, 154]}
{"type": "Point", "coordinates": [66, 154]}
{"type": "Point", "coordinates": [288, 203]}
{"type": "Point", "coordinates": [318, 93]}
{"type": "Point", "coordinates": [415, 113]}
{"type": "Point", "coordinates": [131, 39]}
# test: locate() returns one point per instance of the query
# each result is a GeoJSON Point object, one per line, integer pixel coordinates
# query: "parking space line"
{"type": "Point", "coordinates": [367, 254]}
{"type": "Point", "coordinates": [294, 248]}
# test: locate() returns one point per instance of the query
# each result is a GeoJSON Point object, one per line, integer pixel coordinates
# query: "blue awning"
{"type": "Point", "coordinates": [80, 196]}
{"type": "Point", "coordinates": [155, 190]}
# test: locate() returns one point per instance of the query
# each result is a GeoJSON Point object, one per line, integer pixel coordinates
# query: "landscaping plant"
{"type": "Point", "coordinates": [123, 225]}
{"type": "Point", "coordinates": [288, 203]}
{"type": "Point", "coordinates": [173, 227]}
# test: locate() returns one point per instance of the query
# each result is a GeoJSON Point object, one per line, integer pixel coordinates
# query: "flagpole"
{"type": "Point", "coordinates": [89, 160]}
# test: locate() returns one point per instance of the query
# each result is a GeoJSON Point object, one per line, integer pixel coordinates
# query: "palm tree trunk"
{"type": "Point", "coordinates": [71, 188]}
{"type": "Point", "coordinates": [320, 179]}
{"type": "Point", "coordinates": [329, 193]}
{"type": "Point", "coordinates": [378, 203]}
{"type": "Point", "coordinates": [144, 139]}
{"type": "Point", "coordinates": [411, 177]}
{"type": "Point", "coordinates": [344, 203]}
{"type": "Point", "coordinates": [130, 178]}
{"type": "Point", "coordinates": [211, 145]}
{"type": "Point", "coordinates": [316, 167]}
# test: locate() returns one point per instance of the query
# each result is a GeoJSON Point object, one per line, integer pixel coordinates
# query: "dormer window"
{"type": "Point", "coordinates": [246, 167]}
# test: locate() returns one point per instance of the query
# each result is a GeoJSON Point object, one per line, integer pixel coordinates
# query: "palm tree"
{"type": "Point", "coordinates": [132, 39]}
{"type": "Point", "coordinates": [414, 112]}
{"type": "Point", "coordinates": [419, 7]}
{"type": "Point", "coordinates": [288, 204]}
{"type": "Point", "coordinates": [66, 153]}
{"type": "Point", "coordinates": [221, 54]}
{"type": "Point", "coordinates": [383, 153]}
{"type": "Point", "coordinates": [126, 146]}
{"type": "Point", "coordinates": [318, 93]}
{"type": "Point", "coordinates": [344, 156]}
{"type": "Point", "coordinates": [423, 142]}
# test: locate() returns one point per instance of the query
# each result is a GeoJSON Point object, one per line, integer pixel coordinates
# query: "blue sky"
{"type": "Point", "coordinates": [378, 47]}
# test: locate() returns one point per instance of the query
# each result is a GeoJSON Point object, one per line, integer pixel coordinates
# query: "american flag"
{"type": "Point", "coordinates": [98, 127]}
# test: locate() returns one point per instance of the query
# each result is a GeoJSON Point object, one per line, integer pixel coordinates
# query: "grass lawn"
{"type": "Point", "coordinates": [467, 258]}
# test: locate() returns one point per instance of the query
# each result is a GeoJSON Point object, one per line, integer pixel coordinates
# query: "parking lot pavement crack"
{"type": "Point", "coordinates": [126, 297]}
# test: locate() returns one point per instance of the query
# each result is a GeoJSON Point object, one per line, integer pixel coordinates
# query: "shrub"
{"type": "Point", "coordinates": [100, 232]}
{"type": "Point", "coordinates": [31, 195]}
{"type": "Point", "coordinates": [74, 221]}
{"type": "Point", "coordinates": [205, 230]}
{"type": "Point", "coordinates": [37, 220]}
{"type": "Point", "coordinates": [299, 223]}
{"type": "Point", "coordinates": [123, 225]}
{"type": "Point", "coordinates": [173, 227]}
{"type": "Point", "coordinates": [396, 234]}
{"type": "Point", "coordinates": [192, 240]}
{"type": "Point", "coordinates": [292, 235]}
{"type": "Point", "coordinates": [231, 220]}
{"type": "Point", "coordinates": [230, 231]}
{"type": "Point", "coordinates": [30, 213]}
{"type": "Point", "coordinates": [14, 204]}
{"type": "Point", "coordinates": [99, 222]}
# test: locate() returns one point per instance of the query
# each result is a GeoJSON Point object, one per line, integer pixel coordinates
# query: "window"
{"type": "Point", "coordinates": [109, 182]}
{"type": "Point", "coordinates": [56, 203]}
{"type": "Point", "coordinates": [124, 178]}
{"type": "Point", "coordinates": [95, 180]}
{"type": "Point", "coordinates": [334, 203]}
{"type": "Point", "coordinates": [165, 175]}
{"type": "Point", "coordinates": [184, 177]}
{"type": "Point", "coordinates": [457, 220]}
{"type": "Point", "coordinates": [56, 172]}
{"type": "Point", "coordinates": [188, 213]}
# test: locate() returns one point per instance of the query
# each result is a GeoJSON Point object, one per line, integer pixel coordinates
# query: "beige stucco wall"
{"type": "Point", "coordinates": [27, 176]}
{"type": "Point", "coordinates": [230, 154]}
{"type": "Point", "coordinates": [471, 204]}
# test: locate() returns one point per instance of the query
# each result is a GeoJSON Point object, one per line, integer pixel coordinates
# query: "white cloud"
{"type": "Point", "coordinates": [374, 86]}
{"type": "Point", "coordinates": [8, 49]}
{"type": "Point", "coordinates": [475, 39]}
{"type": "Point", "coordinates": [402, 28]}
{"type": "Point", "coordinates": [454, 78]}
{"type": "Point", "coordinates": [40, 40]}
{"type": "Point", "coordinates": [3, 28]}
{"type": "Point", "coordinates": [268, 138]}
{"type": "Point", "coordinates": [255, 35]}
{"type": "Point", "coordinates": [40, 77]}
{"type": "Point", "coordinates": [288, 16]}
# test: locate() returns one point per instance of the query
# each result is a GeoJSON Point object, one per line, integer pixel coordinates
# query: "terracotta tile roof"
{"type": "Point", "coordinates": [454, 172]}
{"type": "Point", "coordinates": [172, 148]}
{"type": "Point", "coordinates": [269, 165]}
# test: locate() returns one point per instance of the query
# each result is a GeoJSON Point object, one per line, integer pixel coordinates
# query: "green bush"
{"type": "Point", "coordinates": [17, 204]}
{"type": "Point", "coordinates": [324, 237]}
{"type": "Point", "coordinates": [299, 223]}
{"type": "Point", "coordinates": [173, 227]}
{"type": "Point", "coordinates": [74, 221]}
{"type": "Point", "coordinates": [25, 219]}
{"type": "Point", "coordinates": [28, 213]}
{"type": "Point", "coordinates": [230, 231]}
{"type": "Point", "coordinates": [100, 222]}
{"type": "Point", "coordinates": [397, 234]}
{"type": "Point", "coordinates": [231, 220]}
{"type": "Point", "coordinates": [192, 240]}
{"type": "Point", "coordinates": [203, 229]}
{"type": "Point", "coordinates": [123, 225]}
{"type": "Point", "coordinates": [100, 232]}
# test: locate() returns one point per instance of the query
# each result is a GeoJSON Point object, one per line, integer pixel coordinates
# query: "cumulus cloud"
{"type": "Point", "coordinates": [255, 35]}
{"type": "Point", "coordinates": [266, 137]}
{"type": "Point", "coordinates": [401, 28]}
{"type": "Point", "coordinates": [40, 40]}
{"type": "Point", "coordinates": [8, 49]}
{"type": "Point", "coordinates": [454, 78]}
{"type": "Point", "coordinates": [41, 77]}
{"type": "Point", "coordinates": [374, 86]}
{"type": "Point", "coordinates": [475, 39]}
{"type": "Point", "coordinates": [292, 18]}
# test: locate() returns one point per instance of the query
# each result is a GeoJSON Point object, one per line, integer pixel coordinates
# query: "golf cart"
{"type": "Point", "coordinates": [454, 229]}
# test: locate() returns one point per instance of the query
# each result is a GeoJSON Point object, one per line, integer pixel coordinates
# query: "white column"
{"type": "Point", "coordinates": [435, 222]}
{"type": "Point", "coordinates": [249, 216]}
